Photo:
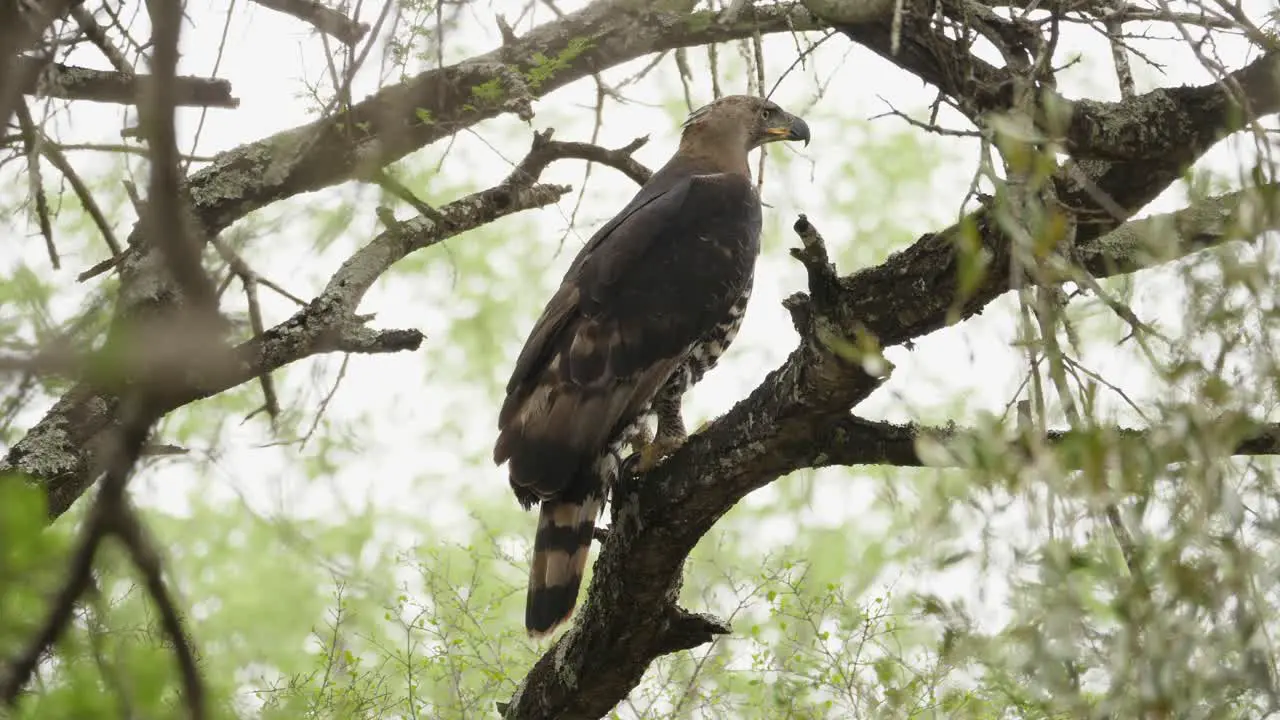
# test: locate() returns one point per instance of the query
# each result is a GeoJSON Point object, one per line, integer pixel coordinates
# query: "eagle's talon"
{"type": "Point", "coordinates": [655, 452]}
{"type": "Point", "coordinates": [641, 439]}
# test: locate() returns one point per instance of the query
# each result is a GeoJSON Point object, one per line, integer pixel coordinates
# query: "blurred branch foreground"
{"type": "Point", "coordinates": [1073, 172]}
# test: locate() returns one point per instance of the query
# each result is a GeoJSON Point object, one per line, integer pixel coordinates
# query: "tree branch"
{"type": "Point", "coordinates": [322, 18]}
{"type": "Point", "coordinates": [61, 452]}
{"type": "Point", "coordinates": [21, 25]}
{"type": "Point", "coordinates": [545, 151]}
{"type": "Point", "coordinates": [109, 86]}
{"type": "Point", "coordinates": [1186, 119]}
{"type": "Point", "coordinates": [405, 117]}
{"type": "Point", "coordinates": [856, 441]}
{"type": "Point", "coordinates": [1206, 223]}
{"type": "Point", "coordinates": [798, 417]}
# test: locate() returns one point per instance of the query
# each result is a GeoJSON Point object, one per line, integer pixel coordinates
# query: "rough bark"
{"type": "Point", "coordinates": [79, 83]}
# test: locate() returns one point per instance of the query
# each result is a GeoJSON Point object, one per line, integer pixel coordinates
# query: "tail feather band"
{"type": "Point", "coordinates": [560, 551]}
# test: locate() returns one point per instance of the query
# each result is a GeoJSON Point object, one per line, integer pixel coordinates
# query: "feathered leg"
{"type": "Point", "coordinates": [671, 433]}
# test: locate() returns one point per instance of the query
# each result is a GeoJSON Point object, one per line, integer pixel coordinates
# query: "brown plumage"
{"type": "Point", "coordinates": [647, 307]}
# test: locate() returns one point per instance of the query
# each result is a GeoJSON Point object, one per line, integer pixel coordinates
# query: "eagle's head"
{"type": "Point", "coordinates": [753, 121]}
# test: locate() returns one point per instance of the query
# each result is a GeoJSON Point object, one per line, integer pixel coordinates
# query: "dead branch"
{"type": "Point", "coordinates": [107, 86]}
{"type": "Point", "coordinates": [546, 151]}
{"type": "Point", "coordinates": [321, 17]}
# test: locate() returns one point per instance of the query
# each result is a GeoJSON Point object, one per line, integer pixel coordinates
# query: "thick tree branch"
{"type": "Point", "coordinates": [1138, 244]}
{"type": "Point", "coordinates": [917, 290]}
{"type": "Point", "coordinates": [402, 118]}
{"type": "Point", "coordinates": [856, 441]}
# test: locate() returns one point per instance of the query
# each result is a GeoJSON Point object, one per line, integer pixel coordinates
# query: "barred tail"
{"type": "Point", "coordinates": [560, 551]}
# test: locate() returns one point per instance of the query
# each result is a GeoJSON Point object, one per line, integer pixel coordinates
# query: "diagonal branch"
{"type": "Point", "coordinates": [61, 452]}
{"type": "Point", "coordinates": [67, 465]}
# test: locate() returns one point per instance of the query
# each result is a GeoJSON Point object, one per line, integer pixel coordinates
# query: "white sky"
{"type": "Point", "coordinates": [402, 465]}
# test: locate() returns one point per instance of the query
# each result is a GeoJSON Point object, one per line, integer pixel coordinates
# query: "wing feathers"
{"type": "Point", "coordinates": [654, 281]}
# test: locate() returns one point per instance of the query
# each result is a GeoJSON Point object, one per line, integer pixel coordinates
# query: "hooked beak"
{"type": "Point", "coordinates": [794, 129]}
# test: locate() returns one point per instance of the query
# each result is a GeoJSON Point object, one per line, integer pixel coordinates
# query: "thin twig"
{"type": "Point", "coordinates": [1114, 24]}
{"type": "Point", "coordinates": [31, 148]}
{"type": "Point", "coordinates": [59, 161]}
{"type": "Point", "coordinates": [101, 267]}
{"type": "Point", "coordinates": [324, 403]}
{"type": "Point", "coordinates": [270, 401]}
{"type": "Point", "coordinates": [141, 549]}
{"type": "Point", "coordinates": [931, 127]}
{"type": "Point", "coordinates": [385, 181]}
{"type": "Point", "coordinates": [98, 36]}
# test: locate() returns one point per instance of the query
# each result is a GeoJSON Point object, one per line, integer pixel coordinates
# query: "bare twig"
{"type": "Point", "coordinates": [324, 402]}
{"type": "Point", "coordinates": [123, 149]}
{"type": "Point", "coordinates": [545, 151]}
{"type": "Point", "coordinates": [929, 126]}
{"type": "Point", "coordinates": [102, 267]}
{"type": "Point", "coordinates": [249, 280]}
{"type": "Point", "coordinates": [128, 528]}
{"type": "Point", "coordinates": [31, 143]}
{"type": "Point", "coordinates": [55, 157]}
{"type": "Point", "coordinates": [1114, 23]}
{"type": "Point", "coordinates": [397, 188]}
{"type": "Point", "coordinates": [98, 36]}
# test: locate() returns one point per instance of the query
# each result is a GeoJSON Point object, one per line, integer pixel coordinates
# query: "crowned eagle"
{"type": "Point", "coordinates": [646, 308]}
